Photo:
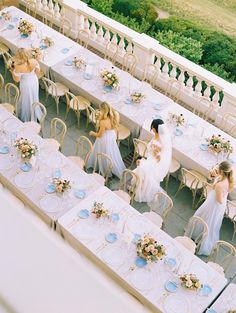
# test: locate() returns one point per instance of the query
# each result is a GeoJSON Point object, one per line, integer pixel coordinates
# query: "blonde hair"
{"type": "Point", "coordinates": [109, 112]}
{"type": "Point", "coordinates": [23, 56]}
{"type": "Point", "coordinates": [227, 171]}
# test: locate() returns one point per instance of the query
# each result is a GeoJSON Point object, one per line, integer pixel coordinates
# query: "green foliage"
{"type": "Point", "coordinates": [218, 70]}
{"type": "Point", "coordinates": [187, 47]}
{"type": "Point", "coordinates": [131, 22]}
{"type": "Point", "coordinates": [104, 7]}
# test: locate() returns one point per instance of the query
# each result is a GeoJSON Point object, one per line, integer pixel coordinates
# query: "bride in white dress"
{"type": "Point", "coordinates": [152, 171]}
{"type": "Point", "coordinates": [213, 209]}
{"type": "Point", "coordinates": [25, 70]}
{"type": "Point", "coordinates": [106, 140]}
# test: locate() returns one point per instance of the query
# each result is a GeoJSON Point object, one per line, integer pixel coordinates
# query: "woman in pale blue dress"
{"type": "Point", "coordinates": [25, 71]}
{"type": "Point", "coordinates": [213, 209]}
{"type": "Point", "coordinates": [106, 140]}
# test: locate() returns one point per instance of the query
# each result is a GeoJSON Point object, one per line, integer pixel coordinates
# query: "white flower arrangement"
{"type": "Point", "coordinates": [190, 281]}
{"type": "Point", "coordinates": [36, 53]}
{"type": "Point", "coordinates": [61, 185]}
{"type": "Point", "coordinates": [218, 144]}
{"type": "Point", "coordinates": [137, 97]}
{"type": "Point", "coordinates": [25, 27]}
{"type": "Point", "coordinates": [6, 16]}
{"type": "Point", "coordinates": [79, 63]}
{"type": "Point", "coordinates": [99, 210]}
{"type": "Point", "coordinates": [47, 41]}
{"type": "Point", "coordinates": [26, 148]}
{"type": "Point", "coordinates": [176, 119]}
{"type": "Point", "coordinates": [110, 79]}
{"type": "Point", "coordinates": [149, 249]}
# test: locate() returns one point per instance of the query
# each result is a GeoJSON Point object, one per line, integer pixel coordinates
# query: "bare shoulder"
{"type": "Point", "coordinates": [34, 62]}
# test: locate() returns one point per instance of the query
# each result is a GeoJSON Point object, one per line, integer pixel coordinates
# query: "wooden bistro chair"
{"type": "Point", "coordinates": [58, 131]}
{"type": "Point", "coordinates": [83, 150]}
{"type": "Point", "coordinates": [102, 168]}
{"type": "Point", "coordinates": [37, 127]}
{"type": "Point", "coordinates": [11, 98]}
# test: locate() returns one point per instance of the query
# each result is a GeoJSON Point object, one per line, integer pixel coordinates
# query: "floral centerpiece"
{"type": "Point", "coordinates": [79, 63]}
{"type": "Point", "coordinates": [10, 63]}
{"type": "Point", "coordinates": [25, 27]}
{"type": "Point", "coordinates": [99, 210]}
{"type": "Point", "coordinates": [36, 53]}
{"type": "Point", "coordinates": [26, 148]}
{"type": "Point", "coordinates": [6, 16]}
{"type": "Point", "coordinates": [149, 250]}
{"type": "Point", "coordinates": [218, 144]}
{"type": "Point", "coordinates": [176, 119]}
{"type": "Point", "coordinates": [190, 281]}
{"type": "Point", "coordinates": [47, 41]}
{"type": "Point", "coordinates": [137, 97]}
{"type": "Point", "coordinates": [61, 185]}
{"type": "Point", "coordinates": [110, 79]}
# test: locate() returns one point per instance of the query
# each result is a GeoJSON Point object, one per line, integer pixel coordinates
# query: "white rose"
{"type": "Point", "coordinates": [188, 283]}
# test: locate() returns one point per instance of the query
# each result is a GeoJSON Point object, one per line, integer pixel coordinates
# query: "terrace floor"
{"type": "Point", "coordinates": [182, 211]}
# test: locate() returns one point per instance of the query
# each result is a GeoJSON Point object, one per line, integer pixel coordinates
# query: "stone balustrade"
{"type": "Point", "coordinates": [174, 73]}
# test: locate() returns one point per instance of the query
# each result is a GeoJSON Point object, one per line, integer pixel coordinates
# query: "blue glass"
{"type": "Point", "coordinates": [26, 167]}
{"type": "Point", "coordinates": [4, 150]}
{"type": "Point", "coordinates": [140, 262]}
{"type": "Point", "coordinates": [107, 88]}
{"type": "Point", "coordinates": [210, 311]}
{"type": "Point", "coordinates": [24, 35]}
{"type": "Point", "coordinates": [204, 146]}
{"type": "Point", "coordinates": [50, 188]}
{"type": "Point", "coordinates": [115, 217]}
{"type": "Point", "coordinates": [205, 290]}
{"type": "Point", "coordinates": [111, 237]}
{"type": "Point", "coordinates": [83, 213]}
{"type": "Point", "coordinates": [128, 101]}
{"type": "Point", "coordinates": [57, 173]}
{"type": "Point", "coordinates": [42, 47]}
{"type": "Point", "coordinates": [171, 286]}
{"type": "Point", "coordinates": [64, 50]}
{"type": "Point", "coordinates": [178, 132]}
{"type": "Point", "coordinates": [170, 261]}
{"type": "Point", "coordinates": [136, 238]}
{"type": "Point", "coordinates": [80, 194]}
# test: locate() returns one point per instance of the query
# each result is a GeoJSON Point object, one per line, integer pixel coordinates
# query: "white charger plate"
{"type": "Point", "coordinates": [50, 204]}
{"type": "Point", "coordinates": [56, 160]}
{"type": "Point", "coordinates": [176, 304]}
{"type": "Point", "coordinates": [25, 179]}
{"type": "Point", "coordinates": [5, 162]}
{"type": "Point", "coordinates": [113, 255]}
{"type": "Point", "coordinates": [142, 279]}
{"type": "Point", "coordinates": [85, 231]}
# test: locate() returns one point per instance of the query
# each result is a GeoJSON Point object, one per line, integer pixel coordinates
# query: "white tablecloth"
{"type": "Point", "coordinates": [138, 117]}
{"type": "Point", "coordinates": [30, 186]}
{"type": "Point", "coordinates": [226, 301]}
{"type": "Point", "coordinates": [88, 235]}
{"type": "Point", "coordinates": [52, 55]}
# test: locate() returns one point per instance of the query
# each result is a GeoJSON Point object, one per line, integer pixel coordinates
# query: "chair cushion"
{"type": "Point", "coordinates": [123, 195]}
{"type": "Point", "coordinates": [54, 144]}
{"type": "Point", "coordinates": [61, 89]}
{"type": "Point", "coordinates": [190, 179]}
{"type": "Point", "coordinates": [78, 161]}
{"type": "Point", "coordinates": [217, 268]}
{"type": "Point", "coordinates": [123, 132]}
{"type": "Point", "coordinates": [35, 127]}
{"type": "Point", "coordinates": [175, 165]}
{"type": "Point", "coordinates": [154, 217]}
{"type": "Point", "coordinates": [99, 178]}
{"type": "Point", "coordinates": [83, 103]}
{"type": "Point", "coordinates": [187, 243]}
{"type": "Point", "coordinates": [9, 107]}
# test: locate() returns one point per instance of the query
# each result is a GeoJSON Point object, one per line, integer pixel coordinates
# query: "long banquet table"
{"type": "Point", "coordinates": [62, 48]}
{"type": "Point", "coordinates": [118, 258]}
{"type": "Point", "coordinates": [226, 300]}
{"type": "Point", "coordinates": [30, 186]}
{"type": "Point", "coordinates": [137, 117]}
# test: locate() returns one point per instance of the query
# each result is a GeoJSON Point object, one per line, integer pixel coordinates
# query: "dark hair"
{"type": "Point", "coordinates": [156, 123]}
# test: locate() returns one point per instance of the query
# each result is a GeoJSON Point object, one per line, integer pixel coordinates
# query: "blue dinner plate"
{"type": "Point", "coordinates": [4, 150]}
{"type": "Point", "coordinates": [178, 132]}
{"type": "Point", "coordinates": [171, 286]}
{"type": "Point", "coordinates": [128, 101]}
{"type": "Point", "coordinates": [136, 238]}
{"type": "Point", "coordinates": [111, 237]}
{"type": "Point", "coordinates": [80, 194]}
{"type": "Point", "coordinates": [68, 62]}
{"type": "Point", "coordinates": [50, 188]}
{"type": "Point", "coordinates": [42, 47]}
{"type": "Point", "coordinates": [107, 88]}
{"type": "Point", "coordinates": [170, 261]}
{"type": "Point", "coordinates": [24, 35]}
{"type": "Point", "coordinates": [205, 290]}
{"type": "Point", "coordinates": [210, 311]}
{"type": "Point", "coordinates": [65, 50]}
{"type": "Point", "coordinates": [115, 217]}
{"type": "Point", "coordinates": [83, 213]}
{"type": "Point", "coordinates": [204, 146]}
{"type": "Point", "coordinates": [140, 262]}
{"type": "Point", "coordinates": [87, 76]}
{"type": "Point", "coordinates": [57, 173]}
{"type": "Point", "coordinates": [10, 26]}
{"type": "Point", "coordinates": [26, 167]}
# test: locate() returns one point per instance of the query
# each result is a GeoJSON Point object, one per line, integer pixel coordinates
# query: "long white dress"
{"type": "Point", "coordinates": [212, 212]}
{"type": "Point", "coordinates": [29, 93]}
{"type": "Point", "coordinates": [147, 171]}
{"type": "Point", "coordinates": [107, 144]}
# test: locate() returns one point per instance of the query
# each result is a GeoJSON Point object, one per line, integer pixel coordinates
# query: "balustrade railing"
{"type": "Point", "coordinates": [192, 81]}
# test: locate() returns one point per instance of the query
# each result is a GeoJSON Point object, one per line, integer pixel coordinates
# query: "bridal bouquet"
{"type": "Point", "coordinates": [218, 144]}
{"type": "Point", "coordinates": [25, 27]}
{"type": "Point", "coordinates": [26, 148]}
{"type": "Point", "coordinates": [79, 63]}
{"type": "Point", "coordinates": [149, 249]}
{"type": "Point", "coordinates": [6, 16]}
{"type": "Point", "coordinates": [177, 119]}
{"type": "Point", "coordinates": [190, 281]}
{"type": "Point", "coordinates": [61, 185]}
{"type": "Point", "coordinates": [99, 210]}
{"type": "Point", "coordinates": [11, 64]}
{"type": "Point", "coordinates": [36, 53]}
{"type": "Point", "coordinates": [110, 79]}
{"type": "Point", "coordinates": [137, 97]}
{"type": "Point", "coordinates": [48, 42]}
